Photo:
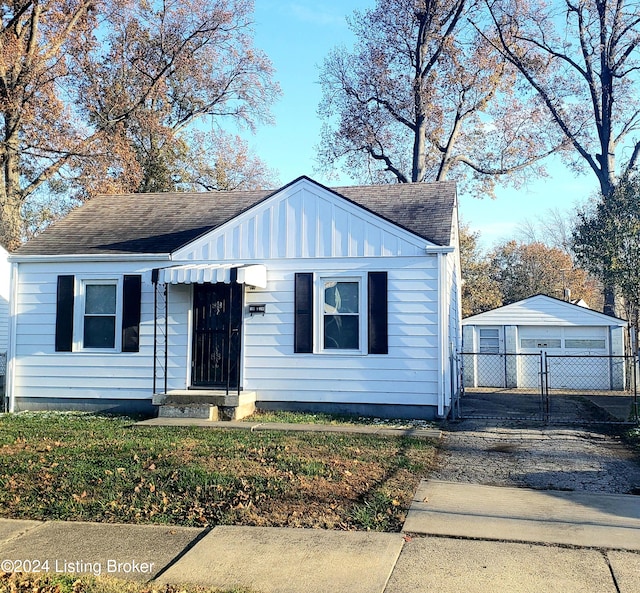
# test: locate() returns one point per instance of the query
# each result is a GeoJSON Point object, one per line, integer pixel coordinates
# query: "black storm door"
{"type": "Point", "coordinates": [217, 317]}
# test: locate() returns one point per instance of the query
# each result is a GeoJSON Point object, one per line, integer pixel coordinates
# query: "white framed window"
{"type": "Point", "coordinates": [99, 315]}
{"type": "Point", "coordinates": [342, 326]}
{"type": "Point", "coordinates": [95, 314]}
{"type": "Point", "coordinates": [541, 343]}
{"type": "Point", "coordinates": [489, 340]}
{"type": "Point", "coordinates": [341, 314]}
{"type": "Point", "coordinates": [585, 344]}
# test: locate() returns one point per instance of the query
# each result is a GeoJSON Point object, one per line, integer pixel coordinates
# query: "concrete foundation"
{"type": "Point", "coordinates": [347, 409]}
{"type": "Point", "coordinates": [125, 407]}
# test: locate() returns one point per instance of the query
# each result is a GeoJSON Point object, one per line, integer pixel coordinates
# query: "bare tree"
{"type": "Point", "coordinates": [222, 162]}
{"type": "Point", "coordinates": [554, 228]}
{"type": "Point", "coordinates": [93, 91]}
{"type": "Point", "coordinates": [580, 58]}
{"type": "Point", "coordinates": [167, 65]}
{"type": "Point", "coordinates": [422, 97]}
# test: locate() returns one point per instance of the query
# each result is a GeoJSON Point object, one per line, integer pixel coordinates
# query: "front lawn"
{"type": "Point", "coordinates": [80, 467]}
{"type": "Point", "coordinates": [56, 583]}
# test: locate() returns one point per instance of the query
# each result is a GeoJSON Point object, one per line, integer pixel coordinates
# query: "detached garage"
{"type": "Point", "coordinates": [504, 347]}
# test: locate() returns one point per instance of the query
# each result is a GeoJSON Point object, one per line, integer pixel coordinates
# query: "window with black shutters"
{"type": "Point", "coordinates": [341, 313]}
{"type": "Point", "coordinates": [98, 314]}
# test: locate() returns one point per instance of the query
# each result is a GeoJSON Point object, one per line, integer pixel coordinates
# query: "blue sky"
{"type": "Point", "coordinates": [297, 35]}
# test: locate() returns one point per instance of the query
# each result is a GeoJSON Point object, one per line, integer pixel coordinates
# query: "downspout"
{"type": "Point", "coordinates": [13, 325]}
{"type": "Point", "coordinates": [154, 281]}
{"type": "Point", "coordinates": [442, 333]}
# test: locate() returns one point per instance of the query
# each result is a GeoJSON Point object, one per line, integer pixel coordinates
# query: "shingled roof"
{"type": "Point", "coordinates": [161, 223]}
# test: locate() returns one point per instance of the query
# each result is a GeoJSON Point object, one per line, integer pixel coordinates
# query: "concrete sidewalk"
{"type": "Point", "coordinates": [273, 560]}
{"type": "Point", "coordinates": [372, 429]}
{"type": "Point", "coordinates": [584, 519]}
{"type": "Point", "coordinates": [458, 537]}
{"type": "Point", "coordinates": [518, 540]}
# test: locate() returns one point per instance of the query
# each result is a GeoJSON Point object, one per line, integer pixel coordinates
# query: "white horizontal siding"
{"type": "Point", "coordinates": [384, 363]}
{"type": "Point", "coordinates": [407, 375]}
{"type": "Point", "coordinates": [4, 324]}
{"type": "Point", "coordinates": [5, 281]}
{"type": "Point", "coordinates": [304, 221]}
{"type": "Point", "coordinates": [40, 372]}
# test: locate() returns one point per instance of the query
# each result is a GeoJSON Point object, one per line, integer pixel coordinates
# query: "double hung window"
{"type": "Point", "coordinates": [341, 314]}
{"type": "Point", "coordinates": [100, 312]}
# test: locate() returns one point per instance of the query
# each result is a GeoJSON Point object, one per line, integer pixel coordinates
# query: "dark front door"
{"type": "Point", "coordinates": [217, 319]}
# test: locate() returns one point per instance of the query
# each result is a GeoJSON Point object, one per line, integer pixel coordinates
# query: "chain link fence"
{"type": "Point", "coordinates": [574, 373]}
{"type": "Point", "coordinates": [506, 371]}
{"type": "Point", "coordinates": [552, 388]}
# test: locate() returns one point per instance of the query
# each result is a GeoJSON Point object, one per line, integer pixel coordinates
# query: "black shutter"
{"type": "Point", "coordinates": [131, 294]}
{"type": "Point", "coordinates": [303, 315]}
{"type": "Point", "coordinates": [377, 313]}
{"type": "Point", "coordinates": [64, 314]}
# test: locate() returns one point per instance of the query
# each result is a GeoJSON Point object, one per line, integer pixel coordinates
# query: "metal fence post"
{"type": "Point", "coordinates": [635, 387]}
{"type": "Point", "coordinates": [544, 386]}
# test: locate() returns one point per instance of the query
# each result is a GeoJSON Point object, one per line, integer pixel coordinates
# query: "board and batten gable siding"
{"type": "Point", "coordinates": [408, 374]}
{"type": "Point", "coordinates": [303, 221]}
{"type": "Point", "coordinates": [41, 372]}
{"type": "Point", "coordinates": [307, 228]}
{"type": "Point", "coordinates": [5, 281]}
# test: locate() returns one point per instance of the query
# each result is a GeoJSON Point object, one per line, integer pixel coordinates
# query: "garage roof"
{"type": "Point", "coordinates": [543, 310]}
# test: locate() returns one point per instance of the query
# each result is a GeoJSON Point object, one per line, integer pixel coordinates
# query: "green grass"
{"type": "Point", "coordinates": [286, 417]}
{"type": "Point", "coordinates": [80, 467]}
{"type": "Point", "coordinates": [60, 583]}
{"type": "Point", "coordinates": [632, 438]}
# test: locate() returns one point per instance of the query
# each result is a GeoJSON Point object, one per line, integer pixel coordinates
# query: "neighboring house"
{"type": "Point", "coordinates": [306, 297]}
{"type": "Point", "coordinates": [5, 277]}
{"type": "Point", "coordinates": [506, 344]}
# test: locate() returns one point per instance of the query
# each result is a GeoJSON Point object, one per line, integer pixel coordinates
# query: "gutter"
{"type": "Point", "coordinates": [84, 257]}
{"type": "Point", "coordinates": [439, 249]}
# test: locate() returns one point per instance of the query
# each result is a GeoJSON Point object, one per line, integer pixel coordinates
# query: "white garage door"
{"type": "Point", "coordinates": [574, 344]}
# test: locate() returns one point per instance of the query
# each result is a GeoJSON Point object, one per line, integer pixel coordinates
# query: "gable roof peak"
{"type": "Point", "coordinates": [161, 223]}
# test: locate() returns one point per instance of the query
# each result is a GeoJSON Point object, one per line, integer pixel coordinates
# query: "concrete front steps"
{"type": "Point", "coordinates": [213, 405]}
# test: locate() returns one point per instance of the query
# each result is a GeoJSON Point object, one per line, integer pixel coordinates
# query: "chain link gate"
{"type": "Point", "coordinates": [549, 388]}
{"type": "Point", "coordinates": [590, 388]}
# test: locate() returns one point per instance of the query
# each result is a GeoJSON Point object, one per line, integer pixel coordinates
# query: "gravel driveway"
{"type": "Point", "coordinates": [506, 453]}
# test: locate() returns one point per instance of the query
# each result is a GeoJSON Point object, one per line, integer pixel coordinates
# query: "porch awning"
{"type": "Point", "coordinates": [252, 274]}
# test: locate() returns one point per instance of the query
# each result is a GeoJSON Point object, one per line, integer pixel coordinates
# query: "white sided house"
{"type": "Point", "coordinates": [5, 280]}
{"type": "Point", "coordinates": [342, 300]}
{"type": "Point", "coordinates": [503, 346]}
